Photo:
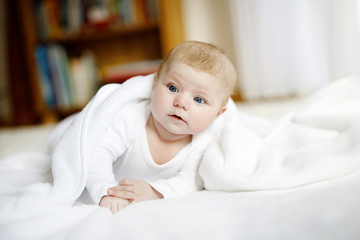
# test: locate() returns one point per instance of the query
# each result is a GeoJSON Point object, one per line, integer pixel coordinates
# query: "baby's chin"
{"type": "Point", "coordinates": [178, 131]}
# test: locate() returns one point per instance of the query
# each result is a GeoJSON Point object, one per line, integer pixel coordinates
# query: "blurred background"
{"type": "Point", "coordinates": [55, 54]}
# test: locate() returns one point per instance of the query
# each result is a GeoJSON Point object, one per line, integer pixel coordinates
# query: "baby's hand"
{"type": "Point", "coordinates": [113, 203]}
{"type": "Point", "coordinates": [134, 190]}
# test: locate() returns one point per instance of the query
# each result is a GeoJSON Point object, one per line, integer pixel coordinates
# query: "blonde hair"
{"type": "Point", "coordinates": [203, 57]}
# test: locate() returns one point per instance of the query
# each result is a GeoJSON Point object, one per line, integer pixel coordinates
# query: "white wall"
{"type": "Point", "coordinates": [209, 21]}
{"type": "Point", "coordinates": [345, 37]}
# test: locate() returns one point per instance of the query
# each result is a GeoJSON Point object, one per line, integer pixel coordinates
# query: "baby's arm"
{"type": "Point", "coordinates": [135, 190]}
{"type": "Point", "coordinates": [100, 165]}
{"type": "Point", "coordinates": [187, 180]}
{"type": "Point", "coordinates": [100, 176]}
{"type": "Point", "coordinates": [113, 203]}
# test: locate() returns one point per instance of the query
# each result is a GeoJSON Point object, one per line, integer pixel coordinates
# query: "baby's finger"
{"type": "Point", "coordinates": [122, 194]}
{"type": "Point", "coordinates": [116, 207]}
{"type": "Point", "coordinates": [126, 182]}
{"type": "Point", "coordinates": [113, 208]}
{"type": "Point", "coordinates": [121, 188]}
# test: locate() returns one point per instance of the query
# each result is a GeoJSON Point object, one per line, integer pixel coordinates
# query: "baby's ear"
{"type": "Point", "coordinates": [222, 110]}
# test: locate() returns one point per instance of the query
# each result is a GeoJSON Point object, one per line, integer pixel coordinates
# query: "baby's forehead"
{"type": "Point", "coordinates": [197, 69]}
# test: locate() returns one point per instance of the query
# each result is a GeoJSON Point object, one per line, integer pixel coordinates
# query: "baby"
{"type": "Point", "coordinates": [190, 91]}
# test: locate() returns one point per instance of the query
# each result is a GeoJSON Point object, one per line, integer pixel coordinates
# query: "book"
{"type": "Point", "coordinates": [62, 94]}
{"type": "Point", "coordinates": [66, 83]}
{"type": "Point", "coordinates": [45, 76]}
{"type": "Point", "coordinates": [122, 72]}
{"type": "Point", "coordinates": [64, 72]}
{"type": "Point", "coordinates": [84, 78]}
{"type": "Point", "coordinates": [56, 19]}
{"type": "Point", "coordinates": [75, 16]}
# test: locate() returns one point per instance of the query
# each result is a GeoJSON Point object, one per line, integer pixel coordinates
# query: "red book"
{"type": "Point", "coordinates": [122, 72]}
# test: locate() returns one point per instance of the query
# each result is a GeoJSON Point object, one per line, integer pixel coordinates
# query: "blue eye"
{"type": "Point", "coordinates": [199, 100]}
{"type": "Point", "coordinates": [172, 88]}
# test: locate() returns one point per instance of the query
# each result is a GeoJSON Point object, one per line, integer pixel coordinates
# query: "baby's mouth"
{"type": "Point", "coordinates": [177, 117]}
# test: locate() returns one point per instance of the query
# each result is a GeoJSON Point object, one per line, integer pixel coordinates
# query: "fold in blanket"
{"type": "Point", "coordinates": [317, 141]}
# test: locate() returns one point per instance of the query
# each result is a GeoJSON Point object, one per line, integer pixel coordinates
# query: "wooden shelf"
{"type": "Point", "coordinates": [118, 44]}
{"type": "Point", "coordinates": [92, 34]}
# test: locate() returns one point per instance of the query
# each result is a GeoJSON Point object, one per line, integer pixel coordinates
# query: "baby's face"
{"type": "Point", "coordinates": [185, 101]}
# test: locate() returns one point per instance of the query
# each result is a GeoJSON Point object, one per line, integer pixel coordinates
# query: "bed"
{"type": "Point", "coordinates": [323, 210]}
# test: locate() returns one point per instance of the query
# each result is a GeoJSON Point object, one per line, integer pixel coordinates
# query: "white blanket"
{"type": "Point", "coordinates": [319, 140]}
{"type": "Point", "coordinates": [316, 142]}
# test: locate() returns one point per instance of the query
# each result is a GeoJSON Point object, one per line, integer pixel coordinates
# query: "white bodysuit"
{"type": "Point", "coordinates": [107, 167]}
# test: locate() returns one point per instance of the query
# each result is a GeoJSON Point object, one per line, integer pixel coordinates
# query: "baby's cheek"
{"type": "Point", "coordinates": [201, 123]}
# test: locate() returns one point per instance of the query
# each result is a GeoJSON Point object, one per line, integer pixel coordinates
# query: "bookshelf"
{"type": "Point", "coordinates": [83, 47]}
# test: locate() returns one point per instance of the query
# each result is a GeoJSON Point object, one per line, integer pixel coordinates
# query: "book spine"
{"type": "Point", "coordinates": [84, 78]}
{"type": "Point", "coordinates": [57, 78]}
{"type": "Point", "coordinates": [153, 8]}
{"type": "Point", "coordinates": [75, 16]}
{"type": "Point", "coordinates": [65, 76]}
{"type": "Point", "coordinates": [44, 76]}
{"type": "Point", "coordinates": [127, 12]}
{"type": "Point", "coordinates": [56, 18]}
{"type": "Point", "coordinates": [121, 11]}
{"type": "Point", "coordinates": [65, 83]}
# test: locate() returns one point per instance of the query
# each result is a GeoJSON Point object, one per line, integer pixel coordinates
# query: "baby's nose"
{"type": "Point", "coordinates": [181, 102]}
